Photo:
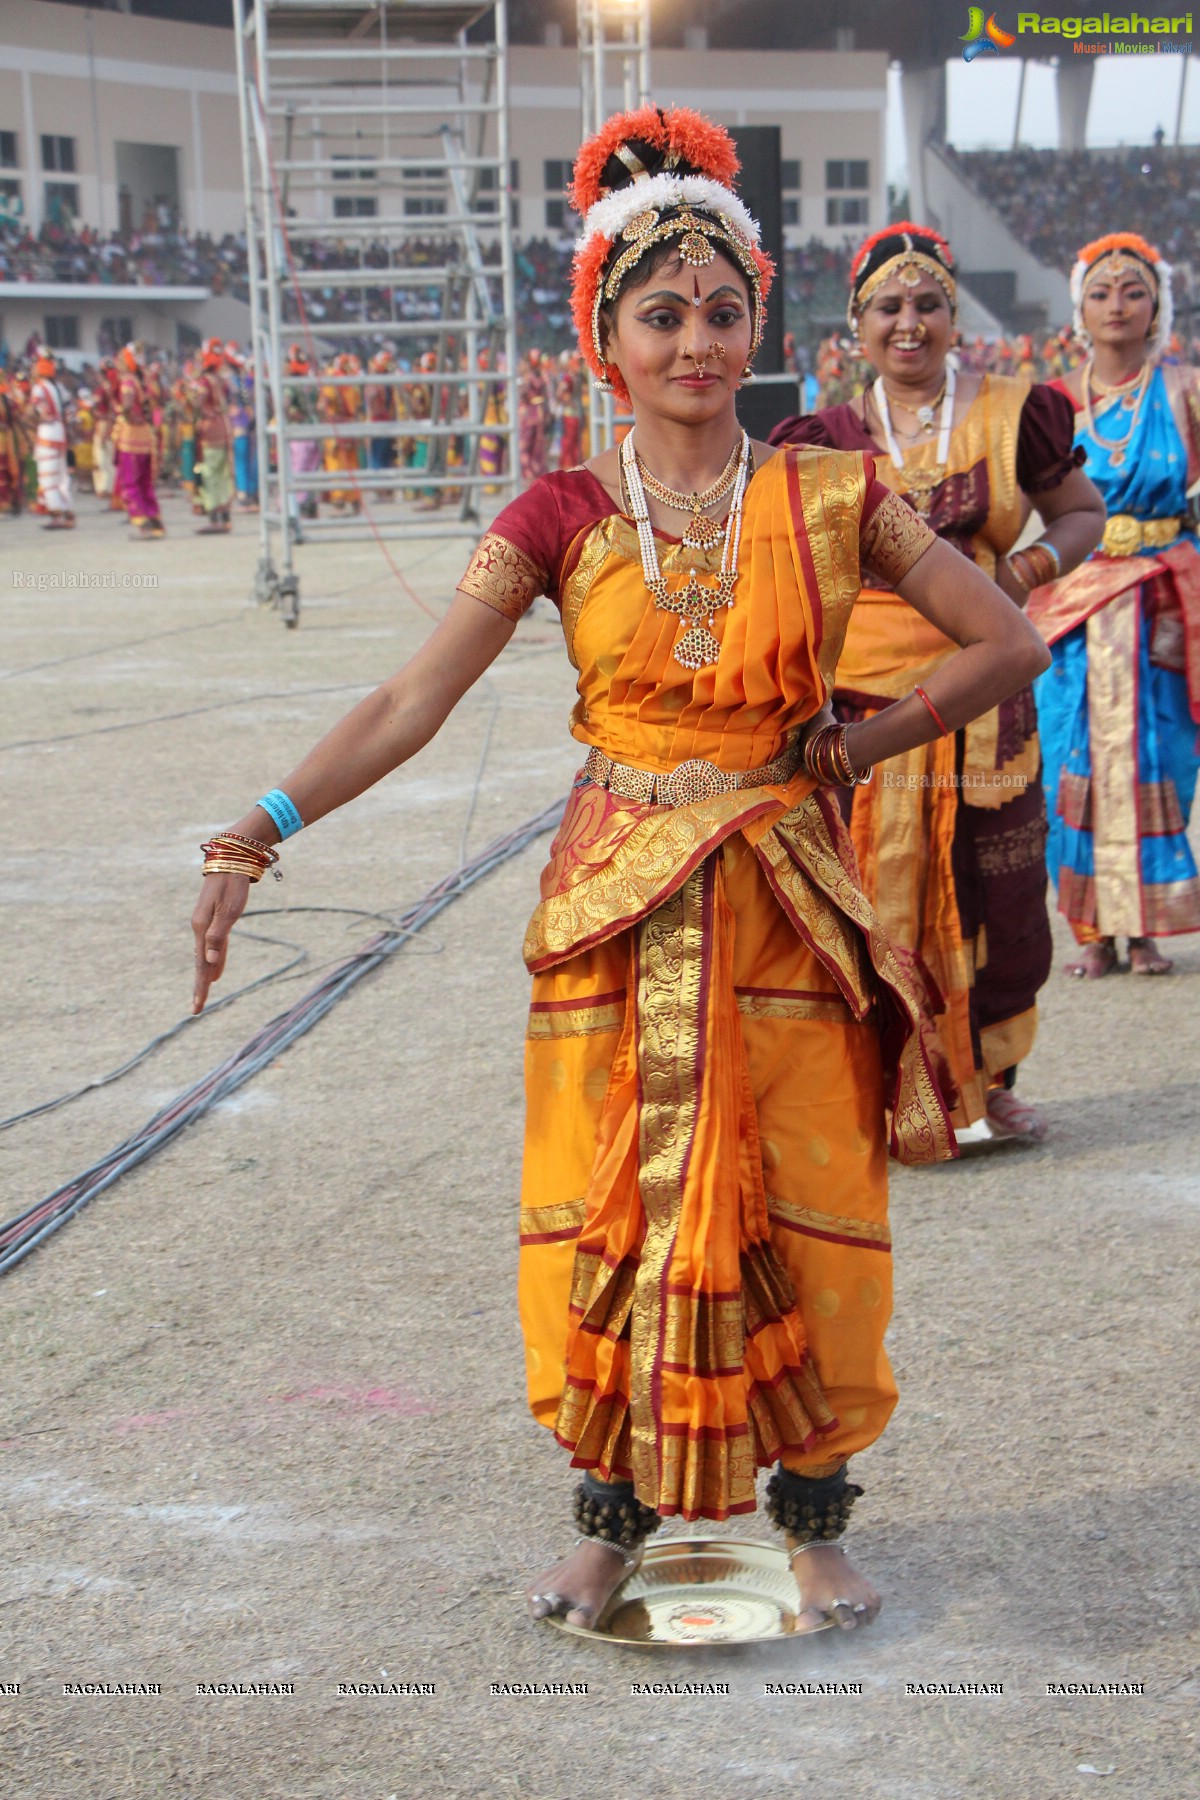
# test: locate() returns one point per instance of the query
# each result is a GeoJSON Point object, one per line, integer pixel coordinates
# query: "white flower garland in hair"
{"type": "Point", "coordinates": [1164, 320]}
{"type": "Point", "coordinates": [609, 217]}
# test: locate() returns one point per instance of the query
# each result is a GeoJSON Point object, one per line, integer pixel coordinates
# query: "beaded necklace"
{"type": "Point", "coordinates": [699, 647]}
{"type": "Point", "coordinates": [1132, 396]}
{"type": "Point", "coordinates": [920, 482]}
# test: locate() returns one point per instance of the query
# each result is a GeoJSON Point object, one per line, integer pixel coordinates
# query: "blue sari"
{"type": "Point", "coordinates": [1118, 722]}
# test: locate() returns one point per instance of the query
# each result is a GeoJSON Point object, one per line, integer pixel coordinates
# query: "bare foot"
{"type": "Point", "coordinates": [580, 1585]}
{"type": "Point", "coordinates": [830, 1586]}
{"type": "Point", "coordinates": [1145, 958]}
{"type": "Point", "coordinates": [1094, 960]}
{"type": "Point", "coordinates": [1010, 1117]}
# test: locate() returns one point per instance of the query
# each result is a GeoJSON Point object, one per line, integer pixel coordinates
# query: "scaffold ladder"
{"type": "Point", "coordinates": [376, 165]}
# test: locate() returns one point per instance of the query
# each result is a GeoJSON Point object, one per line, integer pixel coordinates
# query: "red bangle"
{"type": "Point", "coordinates": [932, 710]}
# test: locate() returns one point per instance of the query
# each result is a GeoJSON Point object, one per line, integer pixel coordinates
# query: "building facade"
{"type": "Point", "coordinates": [130, 124]}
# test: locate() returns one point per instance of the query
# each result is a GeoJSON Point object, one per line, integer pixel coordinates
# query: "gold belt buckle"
{"type": "Point", "coordinates": [1122, 535]}
{"type": "Point", "coordinates": [696, 779]}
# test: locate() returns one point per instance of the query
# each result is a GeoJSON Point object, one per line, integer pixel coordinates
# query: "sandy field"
{"type": "Point", "coordinates": [263, 1415]}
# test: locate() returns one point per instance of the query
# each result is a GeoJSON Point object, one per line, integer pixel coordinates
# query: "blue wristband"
{"type": "Point", "coordinates": [282, 813]}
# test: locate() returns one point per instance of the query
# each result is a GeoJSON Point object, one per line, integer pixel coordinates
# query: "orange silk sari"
{"type": "Point", "coordinates": [718, 1036]}
{"type": "Point", "coordinates": [903, 825]}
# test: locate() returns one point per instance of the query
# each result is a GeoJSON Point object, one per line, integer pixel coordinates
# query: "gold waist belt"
{"type": "Point", "coordinates": [696, 779]}
{"type": "Point", "coordinates": [1125, 536]}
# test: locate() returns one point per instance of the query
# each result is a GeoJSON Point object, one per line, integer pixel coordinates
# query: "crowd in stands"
{"type": "Point", "coordinates": [150, 259]}
{"type": "Point", "coordinates": [1053, 201]}
{"type": "Point", "coordinates": [813, 279]}
{"type": "Point", "coordinates": [1056, 200]}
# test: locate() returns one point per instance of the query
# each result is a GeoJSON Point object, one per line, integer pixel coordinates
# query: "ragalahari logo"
{"type": "Point", "coordinates": [982, 35]}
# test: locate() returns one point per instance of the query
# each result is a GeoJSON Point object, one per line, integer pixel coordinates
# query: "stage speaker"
{"type": "Point", "coordinates": [760, 184]}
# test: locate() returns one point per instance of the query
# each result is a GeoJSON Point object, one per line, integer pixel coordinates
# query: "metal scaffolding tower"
{"type": "Point", "coordinates": [376, 162]}
{"type": "Point", "coordinates": [614, 52]}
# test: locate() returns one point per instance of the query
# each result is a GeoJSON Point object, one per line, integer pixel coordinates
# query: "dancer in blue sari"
{"type": "Point", "coordinates": [1119, 706]}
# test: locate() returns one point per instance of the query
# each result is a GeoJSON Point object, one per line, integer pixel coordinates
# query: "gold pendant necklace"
{"type": "Point", "coordinates": [699, 533]}
{"type": "Point", "coordinates": [699, 646]}
{"type": "Point", "coordinates": [1131, 403]}
{"type": "Point", "coordinates": [926, 414]}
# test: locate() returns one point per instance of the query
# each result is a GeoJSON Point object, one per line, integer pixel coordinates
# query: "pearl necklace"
{"type": "Point", "coordinates": [699, 647]}
{"type": "Point", "coordinates": [1132, 396]}
{"type": "Point", "coordinates": [920, 483]}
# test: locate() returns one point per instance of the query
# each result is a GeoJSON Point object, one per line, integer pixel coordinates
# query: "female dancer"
{"type": "Point", "coordinates": [719, 1028]}
{"type": "Point", "coordinates": [1121, 703]}
{"type": "Point", "coordinates": [951, 840]}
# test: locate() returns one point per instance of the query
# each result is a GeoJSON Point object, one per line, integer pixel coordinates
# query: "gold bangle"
{"type": "Point", "coordinates": [226, 866]}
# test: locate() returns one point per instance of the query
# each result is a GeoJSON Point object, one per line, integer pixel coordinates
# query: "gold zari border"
{"type": "Point", "coordinates": [503, 577]}
{"type": "Point", "coordinates": [831, 1009]}
{"type": "Point", "coordinates": [547, 1221]}
{"type": "Point", "coordinates": [670, 956]}
{"type": "Point", "coordinates": [868, 1231]}
{"type": "Point", "coordinates": [576, 1021]}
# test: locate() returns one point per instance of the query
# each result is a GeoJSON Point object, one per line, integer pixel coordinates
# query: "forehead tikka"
{"type": "Point", "coordinates": [1117, 263]}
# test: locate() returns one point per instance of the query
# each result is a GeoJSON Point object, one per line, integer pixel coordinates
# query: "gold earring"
{"type": "Point", "coordinates": [747, 376]}
{"type": "Point", "coordinates": [604, 385]}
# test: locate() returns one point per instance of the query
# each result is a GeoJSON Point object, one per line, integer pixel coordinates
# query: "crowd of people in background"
{"type": "Point", "coordinates": [141, 421]}
{"type": "Point", "coordinates": [1048, 198]}
{"type": "Point", "coordinates": [814, 275]}
{"type": "Point", "coordinates": [1052, 200]}
{"type": "Point", "coordinates": [71, 253]}
{"type": "Point", "coordinates": [136, 420]}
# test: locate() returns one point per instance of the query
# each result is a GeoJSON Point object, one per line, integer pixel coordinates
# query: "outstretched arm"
{"type": "Point", "coordinates": [1000, 653]}
{"type": "Point", "coordinates": [382, 732]}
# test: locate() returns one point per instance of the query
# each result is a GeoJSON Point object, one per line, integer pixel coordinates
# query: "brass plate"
{"type": "Point", "coordinates": [692, 1593]}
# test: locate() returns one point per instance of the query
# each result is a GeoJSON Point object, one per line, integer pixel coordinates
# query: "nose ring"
{"type": "Point", "coordinates": [715, 349]}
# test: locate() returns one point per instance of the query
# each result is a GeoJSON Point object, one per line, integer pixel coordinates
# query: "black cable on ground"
{"type": "Point", "coordinates": [23, 1234]}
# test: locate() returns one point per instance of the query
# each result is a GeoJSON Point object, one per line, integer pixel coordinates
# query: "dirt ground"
{"type": "Point", "coordinates": [262, 1413]}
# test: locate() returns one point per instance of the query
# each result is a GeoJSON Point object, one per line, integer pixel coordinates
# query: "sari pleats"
{"type": "Point", "coordinates": [720, 1038]}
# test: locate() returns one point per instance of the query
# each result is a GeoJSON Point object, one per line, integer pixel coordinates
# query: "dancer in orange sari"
{"type": "Point", "coordinates": [339, 404]}
{"type": "Point", "coordinates": [951, 840]}
{"type": "Point", "coordinates": [722, 1042]}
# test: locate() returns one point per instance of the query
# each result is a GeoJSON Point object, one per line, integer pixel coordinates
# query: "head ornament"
{"type": "Point", "coordinates": [648, 177]}
{"type": "Point", "coordinates": [905, 252]}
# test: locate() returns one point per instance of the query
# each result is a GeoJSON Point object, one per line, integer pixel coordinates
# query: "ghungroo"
{"type": "Point", "coordinates": [810, 1510]}
{"type": "Point", "coordinates": [610, 1510]}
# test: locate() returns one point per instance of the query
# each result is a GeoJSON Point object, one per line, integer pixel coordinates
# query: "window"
{"type": "Point", "coordinates": [115, 333]}
{"type": "Point", "coordinates": [486, 201]}
{"type": "Point", "coordinates": [847, 175]}
{"type": "Point", "coordinates": [791, 211]}
{"type": "Point", "coordinates": [789, 175]}
{"type": "Point", "coordinates": [556, 215]}
{"type": "Point", "coordinates": [58, 155]}
{"type": "Point", "coordinates": [557, 175]}
{"type": "Point", "coordinates": [355, 168]}
{"type": "Point", "coordinates": [8, 149]}
{"type": "Point", "coordinates": [424, 206]}
{"type": "Point", "coordinates": [852, 210]}
{"type": "Point", "coordinates": [60, 200]}
{"type": "Point", "coordinates": [356, 206]}
{"type": "Point", "coordinates": [62, 331]}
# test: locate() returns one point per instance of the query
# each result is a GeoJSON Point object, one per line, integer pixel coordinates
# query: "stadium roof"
{"type": "Point", "coordinates": [910, 31]}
